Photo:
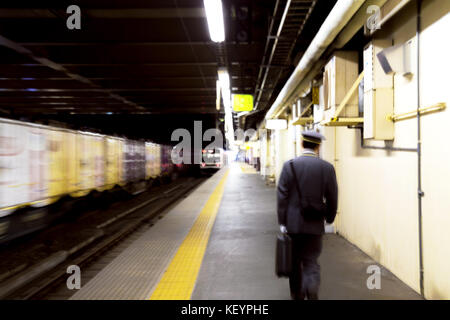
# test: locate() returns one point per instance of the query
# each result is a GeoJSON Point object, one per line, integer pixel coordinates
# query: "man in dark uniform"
{"type": "Point", "coordinates": [315, 183]}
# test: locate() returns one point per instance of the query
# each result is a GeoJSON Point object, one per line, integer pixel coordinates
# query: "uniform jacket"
{"type": "Point", "coordinates": [314, 175]}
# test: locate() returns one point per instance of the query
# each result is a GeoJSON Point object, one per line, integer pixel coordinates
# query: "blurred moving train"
{"type": "Point", "coordinates": [41, 164]}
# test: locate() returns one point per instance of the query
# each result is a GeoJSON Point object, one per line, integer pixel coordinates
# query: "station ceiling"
{"type": "Point", "coordinates": [151, 59]}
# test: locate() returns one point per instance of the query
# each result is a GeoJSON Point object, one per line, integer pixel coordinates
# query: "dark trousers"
{"type": "Point", "coordinates": [304, 281]}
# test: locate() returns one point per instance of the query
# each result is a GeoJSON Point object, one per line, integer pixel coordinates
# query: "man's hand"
{"type": "Point", "coordinates": [283, 229]}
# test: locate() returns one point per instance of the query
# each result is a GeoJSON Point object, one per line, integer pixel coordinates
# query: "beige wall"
{"type": "Point", "coordinates": [282, 150]}
{"type": "Point", "coordinates": [378, 208]}
{"type": "Point", "coordinates": [264, 147]}
{"type": "Point", "coordinates": [378, 202]}
{"type": "Point", "coordinates": [435, 66]}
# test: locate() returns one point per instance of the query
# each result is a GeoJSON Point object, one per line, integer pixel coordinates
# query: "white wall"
{"type": "Point", "coordinates": [282, 150]}
{"type": "Point", "coordinates": [435, 68]}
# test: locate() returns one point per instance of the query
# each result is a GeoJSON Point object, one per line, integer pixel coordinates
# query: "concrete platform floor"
{"type": "Point", "coordinates": [239, 260]}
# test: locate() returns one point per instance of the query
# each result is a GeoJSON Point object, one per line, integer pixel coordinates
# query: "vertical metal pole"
{"type": "Point", "coordinates": [419, 150]}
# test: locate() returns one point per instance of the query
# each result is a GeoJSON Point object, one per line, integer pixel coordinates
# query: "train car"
{"type": "Point", "coordinates": [134, 166]}
{"type": "Point", "coordinates": [149, 160]}
{"type": "Point", "coordinates": [140, 161]}
{"type": "Point", "coordinates": [213, 159]}
{"type": "Point", "coordinates": [122, 173]}
{"type": "Point", "coordinates": [113, 149]}
{"type": "Point", "coordinates": [157, 160]}
{"type": "Point", "coordinates": [23, 165]}
{"type": "Point", "coordinates": [166, 162]}
{"type": "Point", "coordinates": [84, 164]}
{"type": "Point", "coordinates": [132, 161]}
{"type": "Point", "coordinates": [57, 150]}
{"type": "Point", "coordinates": [170, 169]}
{"type": "Point", "coordinates": [42, 164]}
{"type": "Point", "coordinates": [153, 161]}
{"type": "Point", "coordinates": [99, 162]}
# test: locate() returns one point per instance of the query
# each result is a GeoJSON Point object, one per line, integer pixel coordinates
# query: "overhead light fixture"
{"type": "Point", "coordinates": [218, 95]}
{"type": "Point", "coordinates": [214, 15]}
{"type": "Point", "coordinates": [224, 82]}
{"type": "Point", "coordinates": [224, 78]}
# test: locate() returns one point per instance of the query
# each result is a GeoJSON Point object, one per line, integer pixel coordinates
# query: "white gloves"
{"type": "Point", "coordinates": [283, 229]}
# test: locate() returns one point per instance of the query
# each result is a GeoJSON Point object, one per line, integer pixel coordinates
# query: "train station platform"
{"type": "Point", "coordinates": [219, 243]}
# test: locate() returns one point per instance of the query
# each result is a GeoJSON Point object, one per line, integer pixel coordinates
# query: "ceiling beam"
{"type": "Point", "coordinates": [48, 63]}
{"type": "Point", "coordinates": [105, 13]}
{"type": "Point", "coordinates": [109, 90]}
{"type": "Point", "coordinates": [150, 64]}
{"type": "Point", "coordinates": [135, 43]}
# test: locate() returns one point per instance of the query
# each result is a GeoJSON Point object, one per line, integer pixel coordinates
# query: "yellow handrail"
{"type": "Point", "coordinates": [347, 97]}
{"type": "Point", "coordinates": [422, 111]}
{"type": "Point", "coordinates": [306, 109]}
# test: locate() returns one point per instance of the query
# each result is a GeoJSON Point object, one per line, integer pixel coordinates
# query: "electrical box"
{"type": "Point", "coordinates": [378, 94]}
{"type": "Point", "coordinates": [340, 74]}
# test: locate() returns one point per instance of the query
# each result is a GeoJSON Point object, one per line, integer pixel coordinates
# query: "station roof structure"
{"type": "Point", "coordinates": [147, 58]}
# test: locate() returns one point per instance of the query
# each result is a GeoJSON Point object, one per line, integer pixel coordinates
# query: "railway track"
{"type": "Point", "coordinates": [41, 280]}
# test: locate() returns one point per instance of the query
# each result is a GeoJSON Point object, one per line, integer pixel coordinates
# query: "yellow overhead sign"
{"type": "Point", "coordinates": [242, 102]}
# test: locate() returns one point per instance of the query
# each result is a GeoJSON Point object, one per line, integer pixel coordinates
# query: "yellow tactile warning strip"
{"type": "Point", "coordinates": [245, 168]}
{"type": "Point", "coordinates": [178, 282]}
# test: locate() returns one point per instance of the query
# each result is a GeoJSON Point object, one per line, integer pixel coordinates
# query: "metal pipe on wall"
{"type": "Point", "coordinates": [355, 24]}
{"type": "Point", "coordinates": [339, 16]}
{"type": "Point", "coordinates": [420, 192]}
{"type": "Point", "coordinates": [347, 33]}
{"type": "Point", "coordinates": [363, 146]}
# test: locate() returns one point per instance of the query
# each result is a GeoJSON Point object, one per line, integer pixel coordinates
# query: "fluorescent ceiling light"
{"type": "Point", "coordinates": [224, 83]}
{"type": "Point", "coordinates": [224, 78]}
{"type": "Point", "coordinates": [218, 95]}
{"type": "Point", "coordinates": [214, 15]}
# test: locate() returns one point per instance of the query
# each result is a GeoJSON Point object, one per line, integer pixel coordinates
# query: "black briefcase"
{"type": "Point", "coordinates": [283, 263]}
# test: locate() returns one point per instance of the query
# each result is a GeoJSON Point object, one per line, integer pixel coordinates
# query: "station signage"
{"type": "Point", "coordinates": [242, 102]}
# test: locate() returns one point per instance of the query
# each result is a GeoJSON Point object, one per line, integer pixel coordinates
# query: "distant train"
{"type": "Point", "coordinates": [41, 164]}
{"type": "Point", "coordinates": [213, 159]}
